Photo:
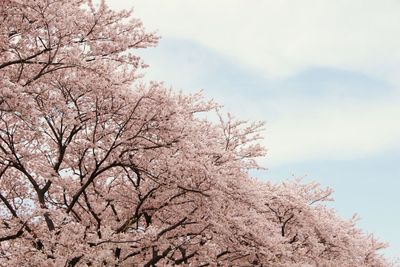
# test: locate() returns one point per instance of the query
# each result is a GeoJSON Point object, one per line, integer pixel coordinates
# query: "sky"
{"type": "Point", "coordinates": [322, 74]}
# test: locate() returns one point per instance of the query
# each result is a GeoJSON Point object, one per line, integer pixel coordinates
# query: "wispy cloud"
{"type": "Point", "coordinates": [280, 38]}
{"type": "Point", "coordinates": [331, 130]}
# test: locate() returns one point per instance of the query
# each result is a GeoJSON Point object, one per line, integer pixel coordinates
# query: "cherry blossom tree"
{"type": "Point", "coordinates": [98, 168]}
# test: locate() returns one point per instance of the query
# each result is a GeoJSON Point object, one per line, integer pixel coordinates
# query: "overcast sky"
{"type": "Point", "coordinates": [323, 75]}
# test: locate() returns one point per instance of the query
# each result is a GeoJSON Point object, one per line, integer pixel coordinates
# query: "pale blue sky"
{"type": "Point", "coordinates": [322, 74]}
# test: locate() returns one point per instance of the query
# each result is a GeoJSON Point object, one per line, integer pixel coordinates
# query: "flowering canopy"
{"type": "Point", "coordinates": [98, 168]}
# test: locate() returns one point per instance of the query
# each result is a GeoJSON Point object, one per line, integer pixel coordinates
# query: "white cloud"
{"type": "Point", "coordinates": [332, 131]}
{"type": "Point", "coordinates": [279, 38]}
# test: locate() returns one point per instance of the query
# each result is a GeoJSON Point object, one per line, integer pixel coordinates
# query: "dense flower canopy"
{"type": "Point", "coordinates": [98, 168]}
